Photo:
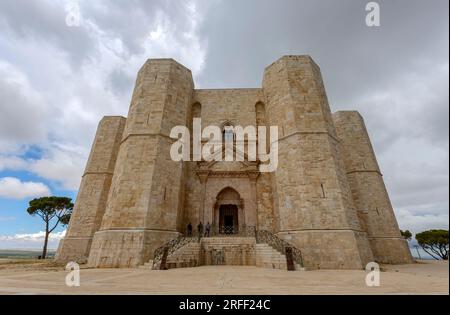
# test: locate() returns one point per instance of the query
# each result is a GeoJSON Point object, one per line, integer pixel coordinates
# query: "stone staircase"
{"type": "Point", "coordinates": [184, 257]}
{"type": "Point", "coordinates": [242, 251]}
{"type": "Point", "coordinates": [268, 257]}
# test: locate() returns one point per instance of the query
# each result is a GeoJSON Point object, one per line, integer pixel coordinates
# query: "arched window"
{"type": "Point", "coordinates": [228, 132]}
{"type": "Point", "coordinates": [261, 120]}
{"type": "Point", "coordinates": [197, 110]}
{"type": "Point", "coordinates": [260, 114]}
{"type": "Point", "coordinates": [228, 135]}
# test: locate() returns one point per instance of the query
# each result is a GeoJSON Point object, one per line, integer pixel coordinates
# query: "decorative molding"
{"type": "Point", "coordinates": [203, 175]}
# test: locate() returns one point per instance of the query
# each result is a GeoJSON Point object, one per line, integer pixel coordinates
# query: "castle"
{"type": "Point", "coordinates": [326, 199]}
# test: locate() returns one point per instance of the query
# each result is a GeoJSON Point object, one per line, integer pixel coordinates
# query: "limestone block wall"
{"type": "Point", "coordinates": [193, 198]}
{"type": "Point", "coordinates": [228, 251]}
{"type": "Point", "coordinates": [315, 206]}
{"type": "Point", "coordinates": [235, 105]}
{"type": "Point", "coordinates": [264, 198]}
{"type": "Point", "coordinates": [369, 191]}
{"type": "Point", "coordinates": [214, 107]}
{"type": "Point", "coordinates": [92, 195]}
{"type": "Point", "coordinates": [246, 189]}
{"type": "Point", "coordinates": [327, 195]}
{"type": "Point", "coordinates": [144, 201]}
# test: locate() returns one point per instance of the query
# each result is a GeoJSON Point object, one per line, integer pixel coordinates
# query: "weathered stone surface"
{"type": "Point", "coordinates": [327, 196]}
{"type": "Point", "coordinates": [369, 192]}
{"type": "Point", "coordinates": [93, 193]}
{"type": "Point", "coordinates": [144, 200]}
{"type": "Point", "coordinates": [237, 251]}
{"type": "Point", "coordinates": [315, 206]}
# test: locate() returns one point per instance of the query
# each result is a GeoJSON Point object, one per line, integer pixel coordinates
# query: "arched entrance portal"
{"type": "Point", "coordinates": [228, 212]}
{"type": "Point", "coordinates": [228, 219]}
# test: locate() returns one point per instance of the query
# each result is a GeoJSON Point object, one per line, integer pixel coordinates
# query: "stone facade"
{"type": "Point", "coordinates": [327, 196]}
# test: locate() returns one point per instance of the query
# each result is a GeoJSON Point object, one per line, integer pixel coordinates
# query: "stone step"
{"type": "Point", "coordinates": [262, 255]}
{"type": "Point", "coordinates": [273, 265]}
{"type": "Point", "coordinates": [299, 268]}
{"type": "Point", "coordinates": [178, 259]}
{"type": "Point", "coordinates": [267, 250]}
{"type": "Point", "coordinates": [268, 258]}
{"type": "Point", "coordinates": [263, 262]}
{"type": "Point", "coordinates": [269, 253]}
{"type": "Point", "coordinates": [183, 255]}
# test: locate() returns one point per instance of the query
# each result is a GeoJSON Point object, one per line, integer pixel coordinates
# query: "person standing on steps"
{"type": "Point", "coordinates": [200, 230]}
{"type": "Point", "coordinates": [207, 229]}
{"type": "Point", "coordinates": [189, 229]}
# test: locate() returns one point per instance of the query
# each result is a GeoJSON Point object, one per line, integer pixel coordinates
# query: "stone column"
{"type": "Point", "coordinates": [369, 192]}
{"type": "Point", "coordinates": [253, 177]}
{"type": "Point", "coordinates": [203, 175]}
{"type": "Point", "coordinates": [92, 195]}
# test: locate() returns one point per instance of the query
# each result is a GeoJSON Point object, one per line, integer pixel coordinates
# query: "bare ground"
{"type": "Point", "coordinates": [47, 277]}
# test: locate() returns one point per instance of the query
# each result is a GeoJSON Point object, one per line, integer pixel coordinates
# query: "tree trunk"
{"type": "Point", "coordinates": [44, 250]}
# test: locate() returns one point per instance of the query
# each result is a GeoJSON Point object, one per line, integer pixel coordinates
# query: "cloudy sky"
{"type": "Point", "coordinates": [64, 64]}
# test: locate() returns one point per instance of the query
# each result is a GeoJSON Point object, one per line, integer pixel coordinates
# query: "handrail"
{"type": "Point", "coordinates": [172, 246]}
{"type": "Point", "coordinates": [264, 236]}
{"type": "Point", "coordinates": [224, 230]}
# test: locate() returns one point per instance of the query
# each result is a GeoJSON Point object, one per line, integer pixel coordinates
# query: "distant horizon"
{"type": "Point", "coordinates": [27, 249]}
{"type": "Point", "coordinates": [424, 255]}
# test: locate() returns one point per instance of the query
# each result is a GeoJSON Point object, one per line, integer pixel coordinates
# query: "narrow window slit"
{"type": "Point", "coordinates": [323, 191]}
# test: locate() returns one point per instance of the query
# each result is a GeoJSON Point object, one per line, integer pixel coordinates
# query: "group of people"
{"type": "Point", "coordinates": [202, 231]}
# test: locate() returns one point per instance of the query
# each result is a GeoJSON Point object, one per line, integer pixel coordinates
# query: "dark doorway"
{"type": "Point", "coordinates": [228, 219]}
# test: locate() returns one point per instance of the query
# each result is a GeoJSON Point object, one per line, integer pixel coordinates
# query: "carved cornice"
{"type": "Point", "coordinates": [228, 174]}
{"type": "Point", "coordinates": [203, 175]}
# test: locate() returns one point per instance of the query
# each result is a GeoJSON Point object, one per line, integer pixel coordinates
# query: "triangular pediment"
{"type": "Point", "coordinates": [219, 163]}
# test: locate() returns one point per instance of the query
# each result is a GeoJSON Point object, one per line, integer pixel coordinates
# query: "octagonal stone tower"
{"type": "Point", "coordinates": [369, 192]}
{"type": "Point", "coordinates": [146, 190]}
{"type": "Point", "coordinates": [327, 196]}
{"type": "Point", "coordinates": [315, 206]}
{"type": "Point", "coordinates": [93, 193]}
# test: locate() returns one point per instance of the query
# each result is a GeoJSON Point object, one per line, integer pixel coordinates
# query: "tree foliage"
{"type": "Point", "coordinates": [406, 234]}
{"type": "Point", "coordinates": [435, 243]}
{"type": "Point", "coordinates": [53, 211]}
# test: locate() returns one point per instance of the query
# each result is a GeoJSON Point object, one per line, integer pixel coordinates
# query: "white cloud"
{"type": "Point", "coordinates": [30, 240]}
{"type": "Point", "coordinates": [416, 223]}
{"type": "Point", "coordinates": [33, 237]}
{"type": "Point", "coordinates": [14, 188]}
{"type": "Point", "coordinates": [62, 164]}
{"type": "Point", "coordinates": [56, 82]}
{"type": "Point", "coordinates": [407, 118]}
{"type": "Point", "coordinates": [89, 73]}
{"type": "Point", "coordinates": [12, 163]}
{"type": "Point", "coordinates": [23, 112]}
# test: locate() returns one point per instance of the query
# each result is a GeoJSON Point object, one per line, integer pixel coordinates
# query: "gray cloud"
{"type": "Point", "coordinates": [395, 75]}
{"type": "Point", "coordinates": [44, 22]}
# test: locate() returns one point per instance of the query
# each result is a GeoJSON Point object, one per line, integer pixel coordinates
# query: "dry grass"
{"type": "Point", "coordinates": [30, 264]}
